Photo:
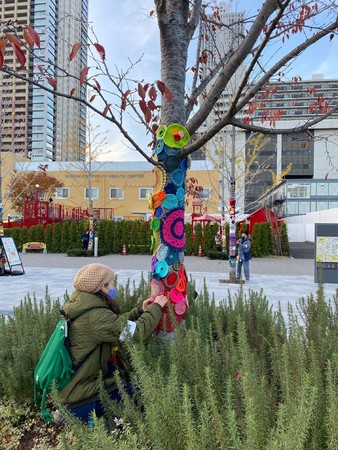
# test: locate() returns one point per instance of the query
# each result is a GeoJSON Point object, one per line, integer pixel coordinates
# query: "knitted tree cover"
{"type": "Point", "coordinates": [167, 202]}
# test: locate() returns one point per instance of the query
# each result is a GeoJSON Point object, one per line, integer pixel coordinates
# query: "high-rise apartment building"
{"type": "Point", "coordinates": [33, 121]}
{"type": "Point", "coordinates": [219, 43]}
{"type": "Point", "coordinates": [311, 155]}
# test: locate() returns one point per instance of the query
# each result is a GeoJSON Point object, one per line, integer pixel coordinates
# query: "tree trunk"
{"type": "Point", "coordinates": [168, 274]}
{"type": "Point", "coordinates": [168, 198]}
{"type": "Point", "coordinates": [174, 39]}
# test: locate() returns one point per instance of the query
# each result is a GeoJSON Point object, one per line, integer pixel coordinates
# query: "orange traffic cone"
{"type": "Point", "coordinates": [199, 251]}
{"type": "Point", "coordinates": [124, 251]}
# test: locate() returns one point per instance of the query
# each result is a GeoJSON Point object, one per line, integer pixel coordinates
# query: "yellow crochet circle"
{"type": "Point", "coordinates": [157, 239]}
{"type": "Point", "coordinates": [160, 179]}
{"type": "Point", "coordinates": [150, 200]}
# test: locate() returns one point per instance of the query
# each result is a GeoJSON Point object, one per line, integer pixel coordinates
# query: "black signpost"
{"type": "Point", "coordinates": [9, 251]}
{"type": "Point", "coordinates": [326, 252]}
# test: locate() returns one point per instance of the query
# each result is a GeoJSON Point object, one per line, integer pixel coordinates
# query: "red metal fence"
{"type": "Point", "coordinates": [41, 212]}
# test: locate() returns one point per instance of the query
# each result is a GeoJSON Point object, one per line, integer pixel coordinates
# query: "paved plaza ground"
{"type": "Point", "coordinates": [283, 280]}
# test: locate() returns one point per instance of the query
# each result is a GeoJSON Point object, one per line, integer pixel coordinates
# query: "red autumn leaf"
{"type": "Point", "coordinates": [124, 100]}
{"type": "Point", "coordinates": [3, 43]}
{"type": "Point", "coordinates": [239, 376]}
{"type": "Point", "coordinates": [31, 35]}
{"type": "Point", "coordinates": [125, 95]}
{"type": "Point", "coordinates": [161, 86]}
{"type": "Point", "coordinates": [98, 86]}
{"type": "Point", "coordinates": [19, 54]}
{"type": "Point", "coordinates": [123, 104]}
{"type": "Point", "coordinates": [143, 106]}
{"type": "Point", "coordinates": [51, 81]}
{"type": "Point", "coordinates": [331, 36]}
{"type": "Point", "coordinates": [152, 93]}
{"type": "Point", "coordinates": [326, 176]}
{"type": "Point", "coordinates": [28, 38]}
{"type": "Point", "coordinates": [13, 39]}
{"type": "Point", "coordinates": [106, 109]}
{"type": "Point", "coordinates": [40, 68]}
{"type": "Point", "coordinates": [151, 13]}
{"type": "Point", "coordinates": [72, 92]}
{"type": "Point", "coordinates": [141, 91]}
{"type": "Point", "coordinates": [168, 94]}
{"type": "Point", "coordinates": [101, 51]}
{"type": "Point", "coordinates": [151, 105]}
{"type": "Point", "coordinates": [147, 115]}
{"type": "Point", "coordinates": [83, 74]}
{"type": "Point", "coordinates": [92, 98]}
{"type": "Point", "coordinates": [74, 51]}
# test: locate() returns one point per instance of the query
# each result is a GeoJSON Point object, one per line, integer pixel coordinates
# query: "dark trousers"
{"type": "Point", "coordinates": [85, 410]}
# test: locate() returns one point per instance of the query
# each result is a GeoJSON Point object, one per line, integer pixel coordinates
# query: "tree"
{"type": "Point", "coordinates": [23, 187]}
{"type": "Point", "coordinates": [239, 171]}
{"type": "Point", "coordinates": [172, 122]}
{"type": "Point", "coordinates": [89, 153]}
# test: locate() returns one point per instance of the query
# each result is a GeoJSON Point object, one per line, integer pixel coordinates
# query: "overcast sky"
{"type": "Point", "coordinates": [127, 33]}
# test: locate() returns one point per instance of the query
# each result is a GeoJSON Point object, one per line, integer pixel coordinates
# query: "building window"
{"type": "Point", "coordinates": [62, 193]}
{"type": "Point", "coordinates": [143, 193]}
{"type": "Point", "coordinates": [333, 189]}
{"type": "Point", "coordinates": [322, 189]}
{"type": "Point", "coordinates": [292, 208]}
{"type": "Point", "coordinates": [116, 193]}
{"type": "Point", "coordinates": [304, 190]}
{"type": "Point", "coordinates": [304, 207]}
{"type": "Point", "coordinates": [296, 190]}
{"type": "Point", "coordinates": [94, 191]}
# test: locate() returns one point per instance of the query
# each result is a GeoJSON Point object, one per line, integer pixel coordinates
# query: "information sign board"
{"type": "Point", "coordinates": [11, 252]}
{"type": "Point", "coordinates": [326, 251]}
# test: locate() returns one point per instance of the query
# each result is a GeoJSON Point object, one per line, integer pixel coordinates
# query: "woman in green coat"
{"type": "Point", "coordinates": [96, 332]}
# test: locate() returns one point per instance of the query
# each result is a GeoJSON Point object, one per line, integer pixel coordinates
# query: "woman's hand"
{"type": "Point", "coordinates": [146, 303]}
{"type": "Point", "coordinates": [161, 300]}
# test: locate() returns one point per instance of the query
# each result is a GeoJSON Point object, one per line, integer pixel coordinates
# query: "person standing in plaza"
{"type": "Point", "coordinates": [85, 242]}
{"type": "Point", "coordinates": [244, 256]}
{"type": "Point", "coordinates": [218, 241]}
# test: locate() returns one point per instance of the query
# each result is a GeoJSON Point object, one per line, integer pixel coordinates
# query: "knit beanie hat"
{"type": "Point", "coordinates": [92, 278]}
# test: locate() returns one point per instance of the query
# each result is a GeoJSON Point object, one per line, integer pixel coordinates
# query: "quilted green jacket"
{"type": "Point", "coordinates": [97, 330]}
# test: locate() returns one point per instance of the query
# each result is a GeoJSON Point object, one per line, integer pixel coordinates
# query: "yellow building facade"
{"type": "Point", "coordinates": [121, 186]}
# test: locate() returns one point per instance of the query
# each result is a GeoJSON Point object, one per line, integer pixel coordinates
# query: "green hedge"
{"type": "Point", "coordinates": [215, 254]}
{"type": "Point", "coordinates": [136, 235]}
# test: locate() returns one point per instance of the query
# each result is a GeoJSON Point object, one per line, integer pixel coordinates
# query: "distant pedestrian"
{"type": "Point", "coordinates": [218, 241]}
{"type": "Point", "coordinates": [85, 242]}
{"type": "Point", "coordinates": [244, 256]}
{"type": "Point", "coordinates": [51, 207]}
